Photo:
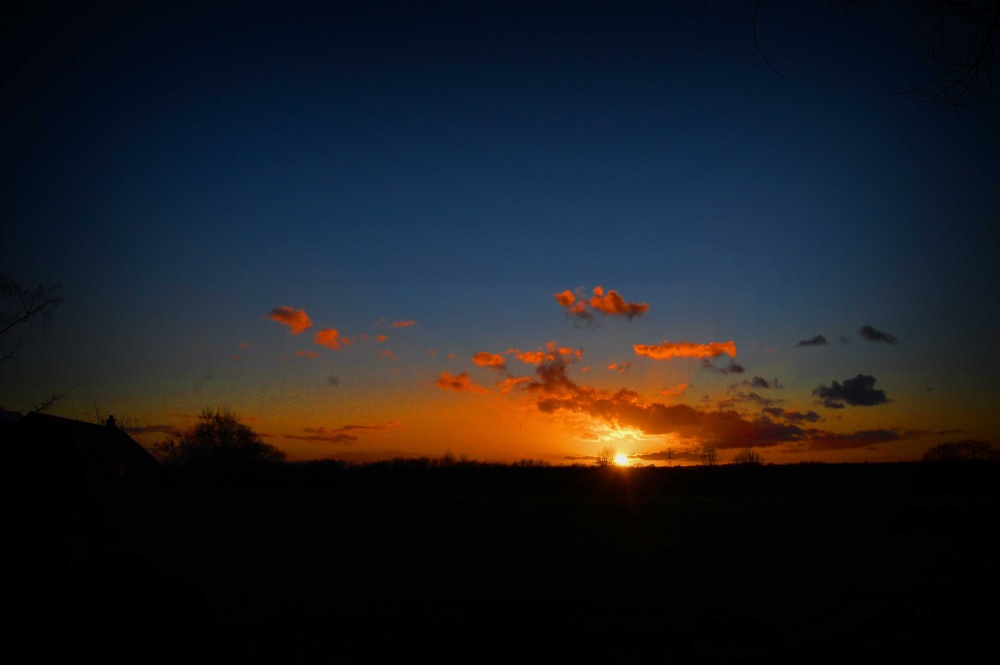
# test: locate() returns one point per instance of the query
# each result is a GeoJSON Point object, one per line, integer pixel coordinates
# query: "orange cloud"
{"type": "Point", "coordinates": [621, 367]}
{"type": "Point", "coordinates": [566, 298]}
{"type": "Point", "coordinates": [609, 304]}
{"type": "Point", "coordinates": [296, 319]}
{"type": "Point", "coordinates": [668, 350]}
{"type": "Point", "coordinates": [459, 383]}
{"type": "Point", "coordinates": [613, 304]}
{"type": "Point", "coordinates": [307, 354]}
{"type": "Point", "coordinates": [530, 357]}
{"type": "Point", "coordinates": [555, 392]}
{"type": "Point", "coordinates": [380, 338]}
{"type": "Point", "coordinates": [245, 345]}
{"type": "Point", "coordinates": [492, 360]}
{"type": "Point", "coordinates": [403, 324]}
{"type": "Point", "coordinates": [389, 354]}
{"type": "Point", "coordinates": [675, 391]}
{"type": "Point", "coordinates": [551, 352]}
{"type": "Point", "coordinates": [512, 382]}
{"type": "Point", "coordinates": [331, 339]}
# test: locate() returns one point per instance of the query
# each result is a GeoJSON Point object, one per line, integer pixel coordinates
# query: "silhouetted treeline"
{"type": "Point", "coordinates": [429, 476]}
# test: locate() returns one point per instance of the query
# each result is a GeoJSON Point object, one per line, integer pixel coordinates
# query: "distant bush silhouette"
{"type": "Point", "coordinates": [218, 444]}
{"type": "Point", "coordinates": [748, 456]}
{"type": "Point", "coordinates": [606, 456]}
{"type": "Point", "coordinates": [969, 450]}
{"type": "Point", "coordinates": [709, 456]}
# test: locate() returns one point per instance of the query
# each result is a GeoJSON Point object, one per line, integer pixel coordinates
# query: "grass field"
{"type": "Point", "coordinates": [824, 564]}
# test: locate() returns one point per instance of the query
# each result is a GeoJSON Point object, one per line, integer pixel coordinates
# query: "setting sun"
{"type": "Point", "coordinates": [621, 459]}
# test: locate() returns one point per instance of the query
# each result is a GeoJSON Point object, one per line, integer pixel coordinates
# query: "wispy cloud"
{"type": "Point", "coordinates": [676, 391]}
{"type": "Point", "coordinates": [818, 340]}
{"type": "Point", "coordinates": [345, 435]}
{"type": "Point", "coordinates": [159, 429]}
{"type": "Point", "coordinates": [307, 354]}
{"type": "Point", "coordinates": [331, 339]}
{"type": "Point", "coordinates": [296, 319]}
{"type": "Point", "coordinates": [740, 397]}
{"type": "Point", "coordinates": [792, 416]}
{"type": "Point", "coordinates": [203, 380]}
{"type": "Point", "coordinates": [403, 324]}
{"type": "Point", "coordinates": [667, 349]}
{"type": "Point", "coordinates": [512, 382]}
{"type": "Point", "coordinates": [318, 435]}
{"type": "Point", "coordinates": [873, 335]}
{"type": "Point", "coordinates": [732, 368]}
{"type": "Point", "coordinates": [459, 383]}
{"type": "Point", "coordinates": [491, 360]}
{"type": "Point", "coordinates": [761, 382]}
{"type": "Point", "coordinates": [860, 439]}
{"type": "Point", "coordinates": [859, 391]}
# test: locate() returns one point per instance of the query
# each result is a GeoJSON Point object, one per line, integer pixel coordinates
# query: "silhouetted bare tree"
{"type": "Point", "coordinates": [709, 456]}
{"type": "Point", "coordinates": [219, 442]}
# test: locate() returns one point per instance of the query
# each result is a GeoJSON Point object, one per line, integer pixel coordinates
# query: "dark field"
{"type": "Point", "coordinates": [808, 563]}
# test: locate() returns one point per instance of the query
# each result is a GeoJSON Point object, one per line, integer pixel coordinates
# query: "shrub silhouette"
{"type": "Point", "coordinates": [969, 450]}
{"type": "Point", "coordinates": [748, 456]}
{"type": "Point", "coordinates": [606, 456]}
{"type": "Point", "coordinates": [218, 444]}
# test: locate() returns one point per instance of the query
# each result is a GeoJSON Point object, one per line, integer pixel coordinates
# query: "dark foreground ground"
{"type": "Point", "coordinates": [811, 563]}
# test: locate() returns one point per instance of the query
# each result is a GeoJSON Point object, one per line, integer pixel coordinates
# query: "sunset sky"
{"type": "Point", "coordinates": [372, 229]}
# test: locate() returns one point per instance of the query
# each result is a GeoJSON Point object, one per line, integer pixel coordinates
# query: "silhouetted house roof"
{"type": "Point", "coordinates": [65, 447]}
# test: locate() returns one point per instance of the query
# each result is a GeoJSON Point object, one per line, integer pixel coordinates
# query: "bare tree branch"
{"type": "Point", "coordinates": [757, 51]}
{"type": "Point", "coordinates": [52, 399]}
{"type": "Point", "coordinates": [20, 306]}
{"type": "Point", "coordinates": [961, 37]}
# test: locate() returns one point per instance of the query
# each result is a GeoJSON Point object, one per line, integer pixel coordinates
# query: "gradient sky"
{"type": "Point", "coordinates": [535, 232]}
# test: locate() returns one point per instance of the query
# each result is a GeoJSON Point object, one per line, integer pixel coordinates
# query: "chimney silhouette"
{"type": "Point", "coordinates": [111, 422]}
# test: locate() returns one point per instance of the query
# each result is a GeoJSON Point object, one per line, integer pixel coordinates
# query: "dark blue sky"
{"type": "Point", "coordinates": [184, 171]}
